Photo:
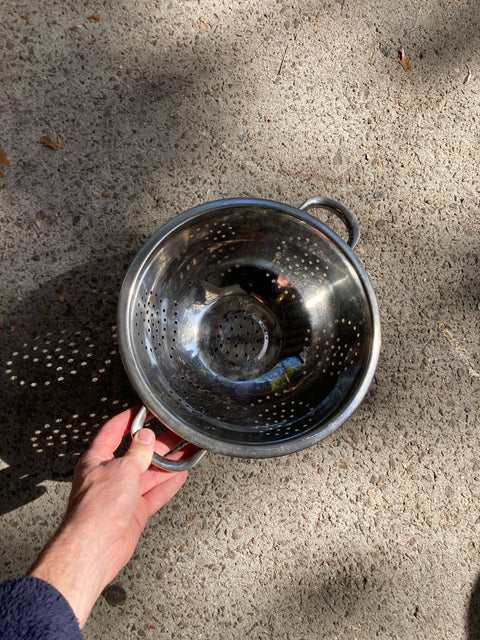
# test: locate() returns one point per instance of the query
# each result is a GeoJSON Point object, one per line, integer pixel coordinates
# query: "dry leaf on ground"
{"type": "Point", "coordinates": [94, 16]}
{"type": "Point", "coordinates": [405, 60]}
{"type": "Point", "coordinates": [48, 142]}
{"type": "Point", "coordinates": [4, 161]}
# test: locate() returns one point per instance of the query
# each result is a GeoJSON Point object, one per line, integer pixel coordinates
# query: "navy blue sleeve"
{"type": "Point", "coordinates": [31, 609]}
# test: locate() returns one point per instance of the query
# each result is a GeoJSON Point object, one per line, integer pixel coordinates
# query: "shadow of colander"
{"type": "Point", "coordinates": [62, 377]}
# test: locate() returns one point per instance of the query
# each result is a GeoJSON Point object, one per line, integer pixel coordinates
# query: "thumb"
{"type": "Point", "coordinates": [141, 448]}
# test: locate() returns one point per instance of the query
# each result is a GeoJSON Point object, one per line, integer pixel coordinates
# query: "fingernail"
{"type": "Point", "coordinates": [144, 436]}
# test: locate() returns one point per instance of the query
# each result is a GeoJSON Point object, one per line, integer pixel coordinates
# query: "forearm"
{"type": "Point", "coordinates": [71, 565]}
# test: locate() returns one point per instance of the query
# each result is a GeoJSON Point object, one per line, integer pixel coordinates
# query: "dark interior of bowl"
{"type": "Point", "coordinates": [248, 325]}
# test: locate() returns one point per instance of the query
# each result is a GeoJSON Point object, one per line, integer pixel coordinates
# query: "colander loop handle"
{"type": "Point", "coordinates": [161, 461]}
{"type": "Point", "coordinates": [342, 212]}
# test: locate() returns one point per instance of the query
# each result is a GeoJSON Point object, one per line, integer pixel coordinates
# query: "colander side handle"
{"type": "Point", "coordinates": [160, 461]}
{"type": "Point", "coordinates": [342, 212]}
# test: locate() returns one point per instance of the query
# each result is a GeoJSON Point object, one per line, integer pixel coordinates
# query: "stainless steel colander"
{"type": "Point", "coordinates": [249, 328]}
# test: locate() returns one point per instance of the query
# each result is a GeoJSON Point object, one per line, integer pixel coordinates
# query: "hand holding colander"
{"type": "Point", "coordinates": [249, 328]}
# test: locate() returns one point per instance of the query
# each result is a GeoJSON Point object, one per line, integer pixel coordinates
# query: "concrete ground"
{"type": "Point", "coordinates": [148, 108]}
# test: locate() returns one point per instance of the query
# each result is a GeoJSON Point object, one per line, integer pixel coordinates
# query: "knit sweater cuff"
{"type": "Point", "coordinates": [33, 609]}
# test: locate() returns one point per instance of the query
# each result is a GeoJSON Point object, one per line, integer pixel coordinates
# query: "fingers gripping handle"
{"type": "Point", "coordinates": [342, 212]}
{"type": "Point", "coordinates": [161, 461]}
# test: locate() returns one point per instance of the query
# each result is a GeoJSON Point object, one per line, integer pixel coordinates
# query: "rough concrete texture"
{"type": "Point", "coordinates": [159, 106]}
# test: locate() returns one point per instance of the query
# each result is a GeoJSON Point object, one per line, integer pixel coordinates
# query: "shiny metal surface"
{"type": "Point", "coordinates": [342, 212]}
{"type": "Point", "coordinates": [248, 327]}
{"type": "Point", "coordinates": [162, 461]}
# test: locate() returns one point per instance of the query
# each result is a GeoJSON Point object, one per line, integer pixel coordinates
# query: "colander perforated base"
{"type": "Point", "coordinates": [240, 338]}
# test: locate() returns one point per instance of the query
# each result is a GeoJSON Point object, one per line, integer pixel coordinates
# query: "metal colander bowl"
{"type": "Point", "coordinates": [248, 327]}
